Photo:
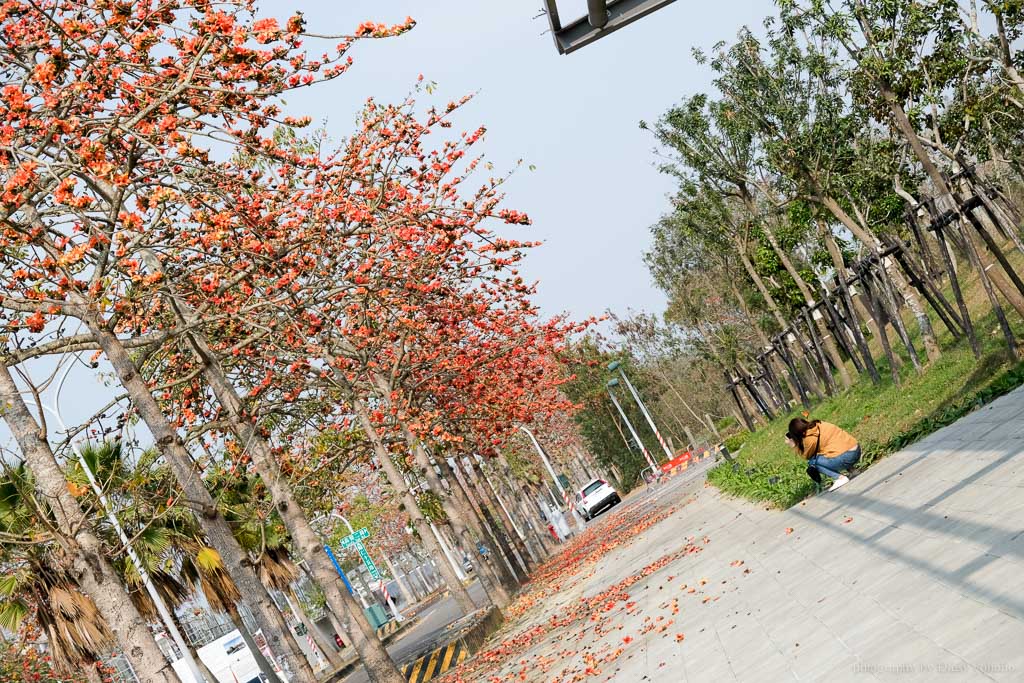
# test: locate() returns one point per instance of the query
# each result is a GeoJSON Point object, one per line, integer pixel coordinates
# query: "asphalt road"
{"type": "Point", "coordinates": [431, 627]}
{"type": "Point", "coordinates": [435, 620]}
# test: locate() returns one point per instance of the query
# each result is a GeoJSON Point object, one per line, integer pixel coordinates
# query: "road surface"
{"type": "Point", "coordinates": [430, 629]}
{"type": "Point", "coordinates": [914, 571]}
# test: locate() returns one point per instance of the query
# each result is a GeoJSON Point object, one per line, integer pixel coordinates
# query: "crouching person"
{"type": "Point", "coordinates": [827, 449]}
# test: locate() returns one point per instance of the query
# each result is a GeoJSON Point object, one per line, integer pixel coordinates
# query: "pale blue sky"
{"type": "Point", "coordinates": [594, 191]}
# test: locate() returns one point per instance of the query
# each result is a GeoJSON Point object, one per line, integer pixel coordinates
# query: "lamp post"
{"type": "Point", "coordinates": [616, 365]}
{"type": "Point", "coordinates": [551, 471]}
{"type": "Point", "coordinates": [544, 458]}
{"type": "Point", "coordinates": [636, 437]}
{"type": "Point", "coordinates": [154, 595]}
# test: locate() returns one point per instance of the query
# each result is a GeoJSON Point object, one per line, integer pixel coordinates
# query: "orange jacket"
{"type": "Point", "coordinates": [828, 440]}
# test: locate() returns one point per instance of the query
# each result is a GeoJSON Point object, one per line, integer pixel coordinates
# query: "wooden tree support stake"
{"type": "Point", "coordinates": [954, 283]}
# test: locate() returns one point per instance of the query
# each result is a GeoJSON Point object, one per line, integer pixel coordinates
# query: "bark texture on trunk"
{"type": "Point", "coordinates": [460, 515]}
{"type": "Point", "coordinates": [372, 653]}
{"type": "Point", "coordinates": [84, 553]}
{"type": "Point", "coordinates": [419, 520]}
{"type": "Point", "coordinates": [907, 292]}
{"type": "Point", "coordinates": [218, 532]}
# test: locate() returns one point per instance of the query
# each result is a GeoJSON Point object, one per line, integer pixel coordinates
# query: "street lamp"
{"type": "Point", "coordinates": [616, 365]}
{"type": "Point", "coordinates": [544, 458]}
{"type": "Point", "coordinates": [551, 471]}
{"type": "Point", "coordinates": [158, 602]}
{"type": "Point", "coordinates": [636, 437]}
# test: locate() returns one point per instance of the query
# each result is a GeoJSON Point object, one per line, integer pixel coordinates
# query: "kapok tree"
{"type": "Point", "coordinates": [383, 249]}
{"type": "Point", "coordinates": [104, 110]}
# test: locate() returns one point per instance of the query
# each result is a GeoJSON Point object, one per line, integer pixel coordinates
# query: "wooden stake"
{"type": "Point", "coordinates": [889, 297]}
{"type": "Point", "coordinates": [954, 282]}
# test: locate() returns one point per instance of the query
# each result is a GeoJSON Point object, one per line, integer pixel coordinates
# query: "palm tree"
{"type": "Point", "coordinates": [35, 584]}
{"type": "Point", "coordinates": [246, 505]}
{"type": "Point", "coordinates": [166, 535]}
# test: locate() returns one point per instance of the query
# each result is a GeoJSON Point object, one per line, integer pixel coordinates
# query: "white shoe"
{"type": "Point", "coordinates": [843, 480]}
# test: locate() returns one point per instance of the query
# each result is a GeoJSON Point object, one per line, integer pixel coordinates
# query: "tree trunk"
{"type": "Point", "coordinates": [403, 585]}
{"type": "Point", "coordinates": [419, 520]}
{"type": "Point", "coordinates": [534, 523]}
{"type": "Point", "coordinates": [769, 300]}
{"type": "Point", "coordinates": [500, 566]}
{"type": "Point", "coordinates": [672, 388]}
{"type": "Point", "coordinates": [254, 649]}
{"type": "Point", "coordinates": [84, 552]}
{"type": "Point", "coordinates": [518, 533]}
{"type": "Point", "coordinates": [372, 653]}
{"type": "Point", "coordinates": [830, 344]}
{"type": "Point", "coordinates": [924, 324]}
{"type": "Point", "coordinates": [460, 518]}
{"type": "Point", "coordinates": [339, 628]}
{"type": "Point", "coordinates": [329, 650]}
{"type": "Point", "coordinates": [995, 274]}
{"type": "Point", "coordinates": [219, 533]}
{"type": "Point", "coordinates": [499, 523]}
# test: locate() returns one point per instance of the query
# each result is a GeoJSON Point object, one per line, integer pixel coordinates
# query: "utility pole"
{"type": "Point", "coordinates": [154, 595]}
{"type": "Point", "coordinates": [616, 365]}
{"type": "Point", "coordinates": [636, 437]}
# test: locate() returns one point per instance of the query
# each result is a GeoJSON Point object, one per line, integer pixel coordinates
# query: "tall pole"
{"type": "Point", "coordinates": [643, 409]}
{"type": "Point", "coordinates": [448, 553]}
{"type": "Point", "coordinates": [515, 527]}
{"type": "Point", "coordinates": [154, 595]}
{"type": "Point", "coordinates": [551, 471]}
{"type": "Point", "coordinates": [351, 589]}
{"type": "Point", "coordinates": [544, 458]}
{"type": "Point", "coordinates": [636, 437]}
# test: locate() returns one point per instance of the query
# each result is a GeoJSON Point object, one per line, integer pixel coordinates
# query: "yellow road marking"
{"type": "Point", "coordinates": [415, 669]}
{"type": "Point", "coordinates": [428, 670]}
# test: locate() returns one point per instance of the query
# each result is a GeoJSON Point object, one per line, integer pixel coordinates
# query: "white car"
{"type": "Point", "coordinates": [595, 497]}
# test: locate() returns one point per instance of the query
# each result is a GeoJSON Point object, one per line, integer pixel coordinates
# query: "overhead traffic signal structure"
{"type": "Point", "coordinates": [603, 17]}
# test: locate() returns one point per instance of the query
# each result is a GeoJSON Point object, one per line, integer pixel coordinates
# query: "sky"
{"type": "Point", "coordinates": [595, 190]}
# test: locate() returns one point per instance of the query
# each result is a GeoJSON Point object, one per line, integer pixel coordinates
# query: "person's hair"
{"type": "Point", "coordinates": [798, 428]}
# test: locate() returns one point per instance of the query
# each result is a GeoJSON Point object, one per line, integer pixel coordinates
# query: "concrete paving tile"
{"type": "Point", "coordinates": [956, 622]}
{"type": "Point", "coordinates": [910, 650]}
{"type": "Point", "coordinates": [772, 668]}
{"type": "Point", "coordinates": [712, 675]}
{"type": "Point", "coordinates": [819, 652]}
{"type": "Point", "coordinates": [863, 630]}
{"type": "Point", "coordinates": [899, 585]}
{"type": "Point", "coordinates": [998, 583]}
{"type": "Point", "coordinates": [849, 568]}
{"type": "Point", "coordinates": [873, 574]}
{"type": "Point", "coordinates": [999, 652]}
{"type": "Point", "coordinates": [849, 668]}
{"type": "Point", "coordinates": [844, 608]}
{"type": "Point", "coordinates": [928, 605]}
{"type": "Point", "coordinates": [981, 532]}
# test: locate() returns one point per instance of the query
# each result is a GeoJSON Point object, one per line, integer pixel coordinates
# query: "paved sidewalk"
{"type": "Point", "coordinates": [913, 571]}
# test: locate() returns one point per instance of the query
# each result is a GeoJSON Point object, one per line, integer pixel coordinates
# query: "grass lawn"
{"type": "Point", "coordinates": [886, 417]}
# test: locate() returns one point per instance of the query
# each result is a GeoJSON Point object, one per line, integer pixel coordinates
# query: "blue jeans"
{"type": "Point", "coordinates": [831, 467]}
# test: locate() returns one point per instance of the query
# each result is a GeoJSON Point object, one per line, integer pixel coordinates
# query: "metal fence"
{"type": "Point", "coordinates": [120, 670]}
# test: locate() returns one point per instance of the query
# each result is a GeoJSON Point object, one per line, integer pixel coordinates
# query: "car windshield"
{"type": "Point", "coordinates": [593, 487]}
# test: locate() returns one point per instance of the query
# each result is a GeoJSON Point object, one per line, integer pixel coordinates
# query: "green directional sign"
{"type": "Point", "coordinates": [368, 563]}
{"type": "Point", "coordinates": [355, 538]}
